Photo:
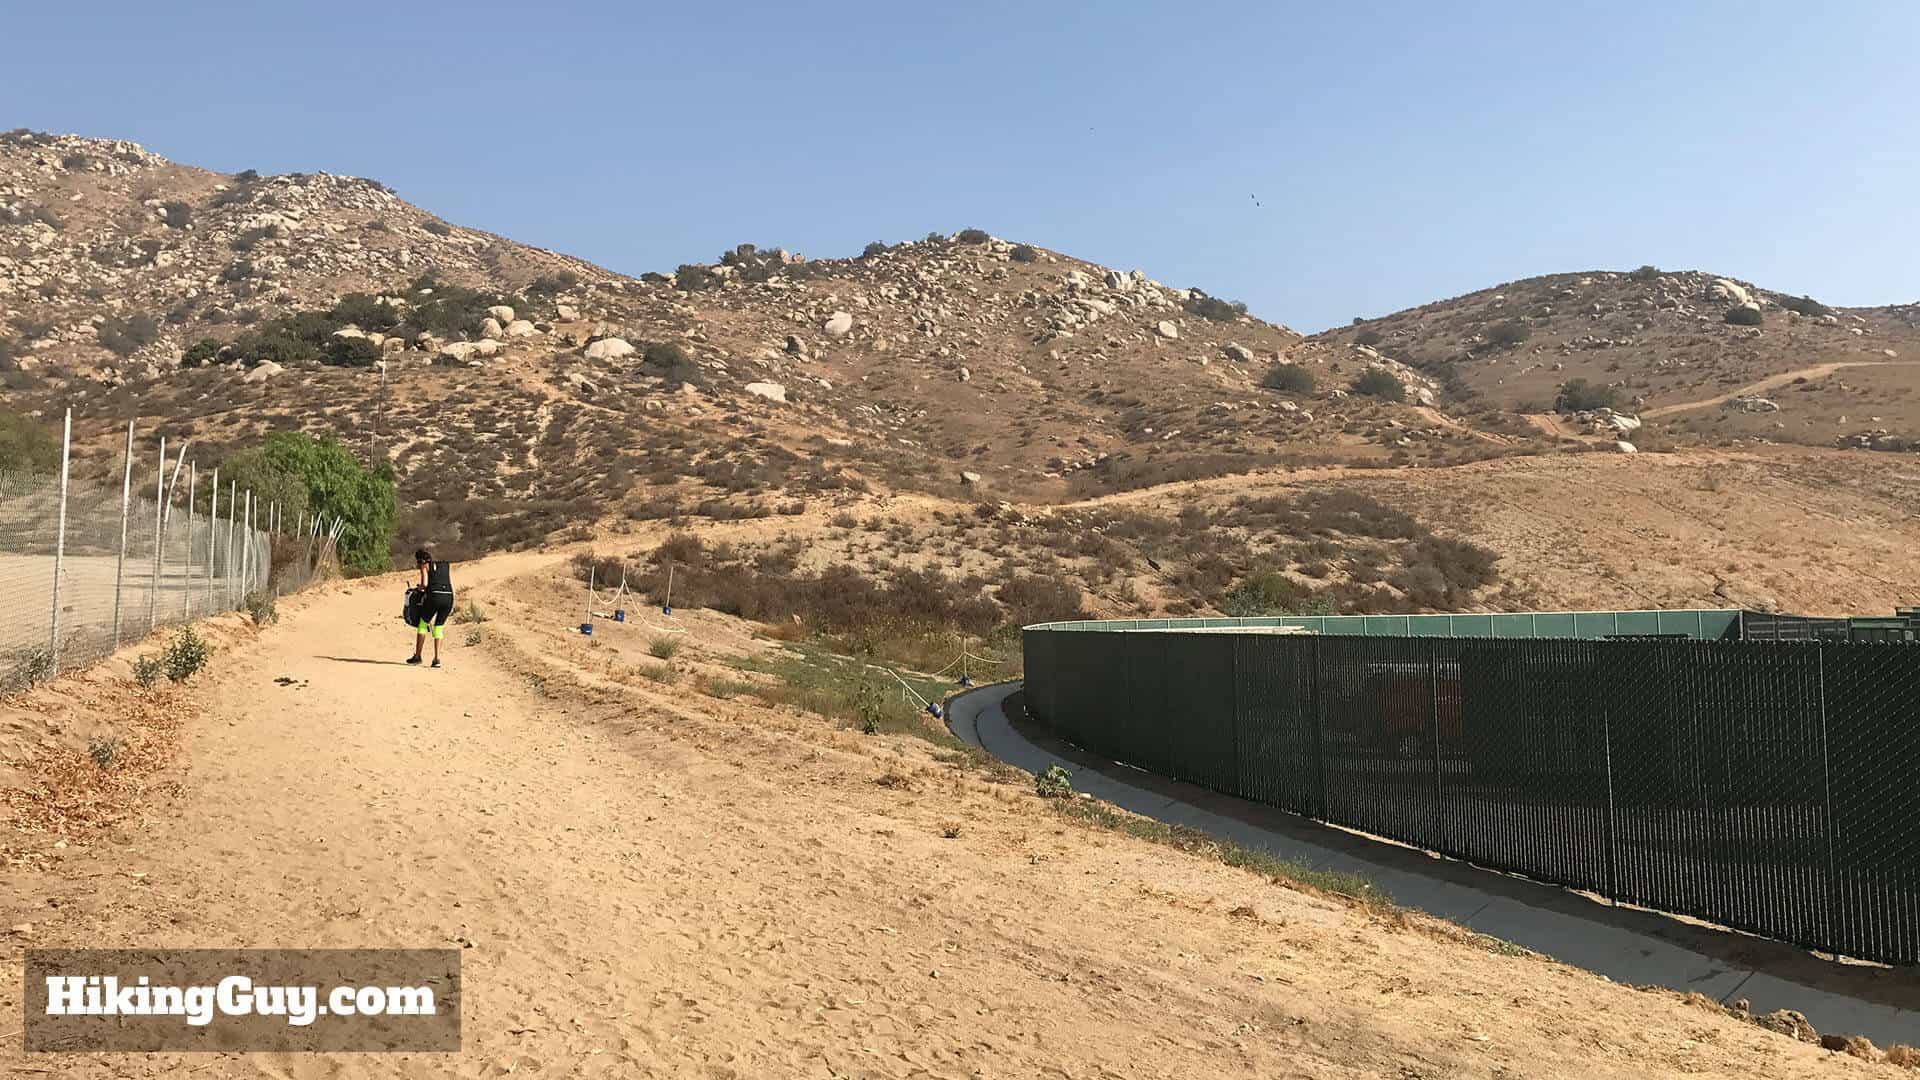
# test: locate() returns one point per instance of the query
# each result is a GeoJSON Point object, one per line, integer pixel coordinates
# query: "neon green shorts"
{"type": "Point", "coordinates": [438, 632]}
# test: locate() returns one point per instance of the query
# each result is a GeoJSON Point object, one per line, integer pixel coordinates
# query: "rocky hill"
{"type": "Point", "coordinates": [1689, 357]}
{"type": "Point", "coordinates": [518, 391]}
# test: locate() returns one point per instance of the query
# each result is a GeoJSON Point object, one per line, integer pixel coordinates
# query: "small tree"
{"type": "Point", "coordinates": [875, 248]}
{"type": "Point", "coordinates": [973, 236]}
{"type": "Point", "coordinates": [1579, 395]}
{"type": "Point", "coordinates": [1380, 383]}
{"type": "Point", "coordinates": [692, 277]}
{"type": "Point", "coordinates": [1288, 379]}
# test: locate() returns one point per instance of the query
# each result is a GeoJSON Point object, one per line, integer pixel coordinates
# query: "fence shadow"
{"type": "Point", "coordinates": [1894, 987]}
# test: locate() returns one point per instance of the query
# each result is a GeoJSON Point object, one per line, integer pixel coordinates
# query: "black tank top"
{"type": "Point", "coordinates": [438, 579]}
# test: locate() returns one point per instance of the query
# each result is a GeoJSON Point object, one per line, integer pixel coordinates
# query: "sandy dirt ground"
{"type": "Point", "coordinates": [649, 882]}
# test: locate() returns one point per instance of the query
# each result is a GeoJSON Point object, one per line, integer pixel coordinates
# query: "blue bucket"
{"type": "Point", "coordinates": [620, 615]}
{"type": "Point", "coordinates": [933, 709]}
{"type": "Point", "coordinates": [667, 611]}
{"type": "Point", "coordinates": [586, 628]}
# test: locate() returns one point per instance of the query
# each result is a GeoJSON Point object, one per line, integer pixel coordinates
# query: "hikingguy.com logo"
{"type": "Point", "coordinates": [284, 1000]}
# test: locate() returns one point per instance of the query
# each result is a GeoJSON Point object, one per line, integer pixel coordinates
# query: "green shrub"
{"type": "Point", "coordinates": [1055, 783]}
{"type": "Point", "coordinates": [437, 227]}
{"type": "Point", "coordinates": [103, 750]}
{"type": "Point", "coordinates": [1744, 315]}
{"type": "Point", "coordinates": [31, 666]}
{"type": "Point", "coordinates": [309, 476]}
{"type": "Point", "coordinates": [260, 607]}
{"type": "Point", "coordinates": [1266, 593]}
{"type": "Point", "coordinates": [1023, 253]}
{"type": "Point", "coordinates": [176, 215]}
{"type": "Point", "coordinates": [1806, 305]}
{"type": "Point", "coordinates": [366, 312]}
{"type": "Point", "coordinates": [875, 248]}
{"type": "Point", "coordinates": [1649, 272]}
{"type": "Point", "coordinates": [973, 236]}
{"type": "Point", "coordinates": [1380, 383]}
{"type": "Point", "coordinates": [1580, 395]}
{"type": "Point", "coordinates": [547, 286]}
{"type": "Point", "coordinates": [663, 647]}
{"type": "Point", "coordinates": [350, 352]}
{"type": "Point", "coordinates": [671, 362]}
{"type": "Point", "coordinates": [1214, 308]}
{"type": "Point", "coordinates": [1289, 379]}
{"type": "Point", "coordinates": [202, 352]}
{"type": "Point", "coordinates": [693, 277]}
{"type": "Point", "coordinates": [1508, 333]}
{"type": "Point", "coordinates": [27, 444]}
{"type": "Point", "coordinates": [185, 656]}
{"type": "Point", "coordinates": [147, 671]}
{"type": "Point", "coordinates": [123, 336]}
{"type": "Point", "coordinates": [1369, 337]}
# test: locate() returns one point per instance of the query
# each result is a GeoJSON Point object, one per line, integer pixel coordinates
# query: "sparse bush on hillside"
{"type": "Point", "coordinates": [377, 225]}
{"type": "Point", "coordinates": [1806, 305]}
{"type": "Point", "coordinates": [204, 351]}
{"type": "Point", "coordinates": [1380, 383]}
{"type": "Point", "coordinates": [365, 312]}
{"type": "Point", "coordinates": [176, 215]}
{"type": "Point", "coordinates": [875, 248]}
{"type": "Point", "coordinates": [1369, 337]}
{"type": "Point", "coordinates": [237, 271]}
{"type": "Point", "coordinates": [936, 238]}
{"type": "Point", "coordinates": [27, 444]}
{"type": "Point", "coordinates": [1031, 599]}
{"type": "Point", "coordinates": [247, 176]}
{"type": "Point", "coordinates": [671, 362]}
{"type": "Point", "coordinates": [1649, 272]}
{"type": "Point", "coordinates": [972, 236]}
{"type": "Point", "coordinates": [1744, 315]}
{"type": "Point", "coordinates": [437, 227]}
{"type": "Point", "coordinates": [350, 352]}
{"type": "Point", "coordinates": [309, 476]}
{"type": "Point", "coordinates": [1289, 379]}
{"type": "Point", "coordinates": [123, 335]}
{"type": "Point", "coordinates": [76, 163]}
{"type": "Point", "coordinates": [1508, 333]}
{"type": "Point", "coordinates": [23, 214]}
{"type": "Point", "coordinates": [185, 656]}
{"type": "Point", "coordinates": [693, 277]}
{"type": "Point", "coordinates": [1266, 593]}
{"type": "Point", "coordinates": [449, 310]}
{"type": "Point", "coordinates": [1580, 395]}
{"type": "Point", "coordinates": [1023, 253]}
{"type": "Point", "coordinates": [1212, 307]}
{"type": "Point", "coordinates": [550, 285]}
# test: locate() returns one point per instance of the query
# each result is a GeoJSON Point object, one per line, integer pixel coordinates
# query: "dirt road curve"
{"type": "Point", "coordinates": [1771, 382]}
{"type": "Point", "coordinates": [655, 883]}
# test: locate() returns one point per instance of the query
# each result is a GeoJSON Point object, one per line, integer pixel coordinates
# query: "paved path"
{"type": "Point", "coordinates": [1623, 944]}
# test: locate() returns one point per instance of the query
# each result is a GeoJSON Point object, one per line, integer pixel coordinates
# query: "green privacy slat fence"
{"type": "Point", "coordinates": [1764, 786]}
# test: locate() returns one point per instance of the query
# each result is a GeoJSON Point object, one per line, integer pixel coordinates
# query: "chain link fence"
{"type": "Point", "coordinates": [86, 568]}
{"type": "Point", "coordinates": [1765, 786]}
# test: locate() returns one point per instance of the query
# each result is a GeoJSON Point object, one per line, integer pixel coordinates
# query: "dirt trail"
{"type": "Point", "coordinates": [654, 883]}
{"type": "Point", "coordinates": [1771, 382]}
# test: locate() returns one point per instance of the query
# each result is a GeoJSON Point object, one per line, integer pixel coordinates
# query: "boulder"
{"type": "Point", "coordinates": [1722, 289]}
{"type": "Point", "coordinates": [1118, 281]}
{"type": "Point", "coordinates": [487, 348]}
{"type": "Point", "coordinates": [1626, 447]}
{"type": "Point", "coordinates": [965, 375]}
{"type": "Point", "coordinates": [1424, 396]}
{"type": "Point", "coordinates": [266, 370]}
{"type": "Point", "coordinates": [520, 328]}
{"type": "Point", "coordinates": [1754, 405]}
{"type": "Point", "coordinates": [491, 328]}
{"type": "Point", "coordinates": [770, 390]}
{"type": "Point", "coordinates": [972, 479]}
{"type": "Point", "coordinates": [459, 350]}
{"type": "Point", "coordinates": [612, 348]}
{"type": "Point", "coordinates": [1167, 330]}
{"type": "Point", "coordinates": [566, 312]}
{"type": "Point", "coordinates": [839, 324]}
{"type": "Point", "coordinates": [796, 347]}
{"type": "Point", "coordinates": [502, 313]}
{"type": "Point", "coordinates": [1238, 352]}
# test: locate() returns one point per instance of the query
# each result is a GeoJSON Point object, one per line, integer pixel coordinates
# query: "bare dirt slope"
{"type": "Point", "coordinates": [648, 882]}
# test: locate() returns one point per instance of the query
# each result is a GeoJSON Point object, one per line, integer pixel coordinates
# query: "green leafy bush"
{"type": "Point", "coordinates": [1055, 783]}
{"type": "Point", "coordinates": [200, 353]}
{"type": "Point", "coordinates": [1744, 315]}
{"type": "Point", "coordinates": [671, 362]}
{"type": "Point", "coordinates": [693, 277]}
{"type": "Point", "coordinates": [547, 286]}
{"type": "Point", "coordinates": [875, 248]}
{"type": "Point", "coordinates": [1214, 308]}
{"type": "Point", "coordinates": [1266, 593]}
{"type": "Point", "coordinates": [973, 236]}
{"type": "Point", "coordinates": [147, 671]}
{"type": "Point", "coordinates": [1289, 379]}
{"type": "Point", "coordinates": [350, 352]}
{"type": "Point", "coordinates": [1806, 305]}
{"type": "Point", "coordinates": [663, 647]}
{"type": "Point", "coordinates": [103, 750]}
{"type": "Point", "coordinates": [1580, 395]}
{"type": "Point", "coordinates": [185, 656]}
{"type": "Point", "coordinates": [1023, 253]}
{"type": "Point", "coordinates": [1380, 383]}
{"type": "Point", "coordinates": [309, 476]}
{"type": "Point", "coordinates": [437, 227]}
{"type": "Point", "coordinates": [27, 444]}
{"type": "Point", "coordinates": [30, 667]}
{"type": "Point", "coordinates": [1648, 272]}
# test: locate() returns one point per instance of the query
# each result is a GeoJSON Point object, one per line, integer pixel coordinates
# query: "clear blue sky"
{"type": "Point", "coordinates": [1400, 152]}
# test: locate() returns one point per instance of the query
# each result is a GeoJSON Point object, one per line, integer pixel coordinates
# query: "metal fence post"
{"type": "Point", "coordinates": [1433, 724]}
{"type": "Point", "coordinates": [213, 534]}
{"type": "Point", "coordinates": [186, 580]}
{"type": "Point", "coordinates": [60, 543]}
{"type": "Point", "coordinates": [1826, 794]}
{"type": "Point", "coordinates": [159, 511]}
{"type": "Point", "coordinates": [1319, 724]}
{"type": "Point", "coordinates": [233, 504]}
{"type": "Point", "coordinates": [246, 548]}
{"type": "Point", "coordinates": [120, 568]}
{"type": "Point", "coordinates": [1606, 751]}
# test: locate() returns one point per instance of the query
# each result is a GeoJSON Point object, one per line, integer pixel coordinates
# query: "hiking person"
{"type": "Point", "coordinates": [436, 603]}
